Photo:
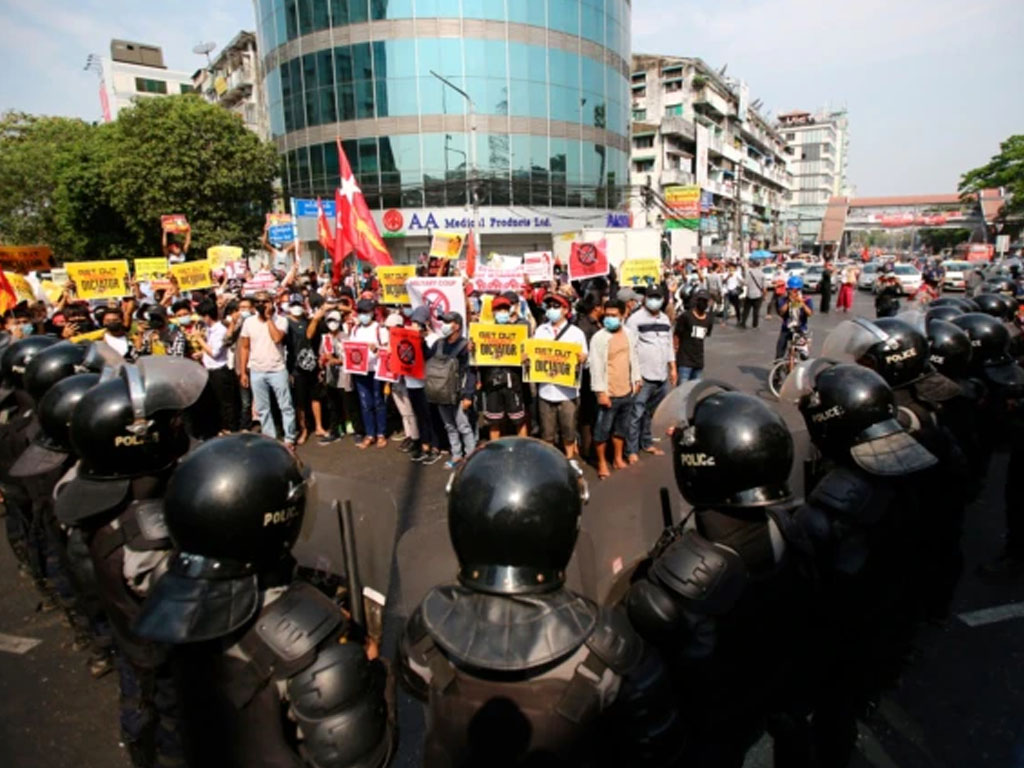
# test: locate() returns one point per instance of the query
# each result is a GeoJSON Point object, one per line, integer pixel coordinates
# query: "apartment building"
{"type": "Point", "coordinates": [231, 81]}
{"type": "Point", "coordinates": [135, 71]}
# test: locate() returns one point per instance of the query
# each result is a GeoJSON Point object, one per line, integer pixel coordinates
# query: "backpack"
{"type": "Point", "coordinates": [442, 382]}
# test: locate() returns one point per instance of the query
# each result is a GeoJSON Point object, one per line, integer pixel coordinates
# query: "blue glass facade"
{"type": "Point", "coordinates": [569, 87]}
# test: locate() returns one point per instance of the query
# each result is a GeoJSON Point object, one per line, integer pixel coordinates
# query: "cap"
{"type": "Point", "coordinates": [627, 294]}
{"type": "Point", "coordinates": [365, 305]}
{"type": "Point", "coordinates": [451, 317]}
{"type": "Point", "coordinates": [557, 298]}
{"type": "Point", "coordinates": [393, 320]}
{"type": "Point", "coordinates": [420, 316]}
{"type": "Point", "coordinates": [500, 302]}
{"type": "Point", "coordinates": [512, 296]}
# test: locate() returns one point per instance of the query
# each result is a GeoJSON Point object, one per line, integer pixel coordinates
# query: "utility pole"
{"type": "Point", "coordinates": [473, 192]}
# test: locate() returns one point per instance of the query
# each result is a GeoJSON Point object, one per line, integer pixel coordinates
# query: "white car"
{"type": "Point", "coordinates": [955, 275]}
{"type": "Point", "coordinates": [812, 278]}
{"type": "Point", "coordinates": [796, 267]}
{"type": "Point", "coordinates": [868, 273]}
{"type": "Point", "coordinates": [909, 277]}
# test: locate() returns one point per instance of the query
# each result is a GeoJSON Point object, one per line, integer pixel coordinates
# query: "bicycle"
{"type": "Point", "coordinates": [798, 348]}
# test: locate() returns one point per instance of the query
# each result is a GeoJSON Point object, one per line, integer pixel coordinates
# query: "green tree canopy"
{"type": "Point", "coordinates": [100, 191]}
{"type": "Point", "coordinates": [1004, 170]}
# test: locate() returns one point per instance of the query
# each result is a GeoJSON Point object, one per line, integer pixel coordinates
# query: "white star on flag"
{"type": "Point", "coordinates": [349, 188]}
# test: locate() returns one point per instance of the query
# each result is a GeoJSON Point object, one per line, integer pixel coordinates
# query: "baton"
{"type": "Point", "coordinates": [666, 508]}
{"type": "Point", "coordinates": [348, 547]}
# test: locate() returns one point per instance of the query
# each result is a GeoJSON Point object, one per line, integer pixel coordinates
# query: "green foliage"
{"type": "Point", "coordinates": [103, 188]}
{"type": "Point", "coordinates": [1004, 170]}
{"type": "Point", "coordinates": [937, 239]}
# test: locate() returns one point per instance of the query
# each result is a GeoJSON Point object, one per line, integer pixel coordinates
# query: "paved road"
{"type": "Point", "coordinates": [958, 706]}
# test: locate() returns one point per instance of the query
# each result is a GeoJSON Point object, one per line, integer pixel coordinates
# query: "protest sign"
{"type": "Point", "coordinates": [220, 256]}
{"type": "Point", "coordinates": [89, 336]}
{"type": "Point", "coordinates": [192, 275]}
{"type": "Point", "coordinates": [99, 279]}
{"type": "Point", "coordinates": [588, 260]}
{"type": "Point", "coordinates": [51, 290]}
{"type": "Point", "coordinates": [552, 362]}
{"type": "Point", "coordinates": [280, 229]}
{"type": "Point", "coordinates": [25, 258]}
{"type": "Point", "coordinates": [147, 270]}
{"type": "Point", "coordinates": [438, 295]}
{"type": "Point", "coordinates": [640, 272]}
{"type": "Point", "coordinates": [406, 352]}
{"type": "Point", "coordinates": [22, 287]}
{"type": "Point", "coordinates": [497, 279]}
{"type": "Point", "coordinates": [495, 344]}
{"type": "Point", "coordinates": [263, 280]}
{"type": "Point", "coordinates": [59, 275]}
{"type": "Point", "coordinates": [384, 372]}
{"type": "Point", "coordinates": [392, 283]}
{"type": "Point", "coordinates": [446, 245]}
{"type": "Point", "coordinates": [174, 222]}
{"type": "Point", "coordinates": [356, 356]}
{"type": "Point", "coordinates": [538, 266]}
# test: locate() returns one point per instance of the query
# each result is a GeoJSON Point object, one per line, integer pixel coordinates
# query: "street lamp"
{"type": "Point", "coordinates": [472, 144]}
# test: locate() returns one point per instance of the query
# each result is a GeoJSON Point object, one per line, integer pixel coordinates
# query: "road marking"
{"type": "Point", "coordinates": [992, 615]}
{"type": "Point", "coordinates": [15, 644]}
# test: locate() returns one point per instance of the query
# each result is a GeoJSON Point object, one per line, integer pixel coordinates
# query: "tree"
{"type": "Point", "coordinates": [938, 239]}
{"type": "Point", "coordinates": [1004, 170]}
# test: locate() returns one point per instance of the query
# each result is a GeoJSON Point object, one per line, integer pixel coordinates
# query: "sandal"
{"type": "Point", "coordinates": [604, 474]}
{"type": "Point", "coordinates": [653, 451]}
{"type": "Point", "coordinates": [382, 442]}
{"type": "Point", "coordinates": [365, 443]}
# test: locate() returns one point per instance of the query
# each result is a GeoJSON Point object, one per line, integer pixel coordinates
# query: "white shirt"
{"type": "Point", "coordinates": [119, 343]}
{"type": "Point", "coordinates": [374, 334]}
{"type": "Point", "coordinates": [215, 336]}
{"type": "Point", "coordinates": [555, 393]}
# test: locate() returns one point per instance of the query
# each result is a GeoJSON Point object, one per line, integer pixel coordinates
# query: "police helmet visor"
{"type": "Point", "coordinates": [851, 339]}
{"type": "Point", "coordinates": [800, 381]}
{"type": "Point", "coordinates": [83, 497]}
{"type": "Point", "coordinates": [936, 387]}
{"type": "Point", "coordinates": [37, 459]}
{"type": "Point", "coordinates": [893, 452]}
{"type": "Point", "coordinates": [679, 404]}
{"type": "Point", "coordinates": [100, 356]}
{"type": "Point", "coordinates": [170, 383]}
{"type": "Point", "coordinates": [1008, 376]}
{"type": "Point", "coordinates": [916, 319]}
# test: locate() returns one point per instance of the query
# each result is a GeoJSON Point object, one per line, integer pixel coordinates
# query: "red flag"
{"type": "Point", "coordinates": [471, 254]}
{"type": "Point", "coordinates": [360, 229]}
{"type": "Point", "coordinates": [342, 247]}
{"type": "Point", "coordinates": [323, 229]}
{"type": "Point", "coordinates": [8, 298]}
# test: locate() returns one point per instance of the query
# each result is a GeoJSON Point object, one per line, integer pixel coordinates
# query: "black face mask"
{"type": "Point", "coordinates": [115, 328]}
{"type": "Point", "coordinates": [701, 305]}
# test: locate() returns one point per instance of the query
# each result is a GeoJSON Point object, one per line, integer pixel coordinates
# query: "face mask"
{"type": "Point", "coordinates": [246, 314]}
{"type": "Point", "coordinates": [447, 328]}
{"type": "Point", "coordinates": [333, 325]}
{"type": "Point", "coordinates": [501, 317]}
{"type": "Point", "coordinates": [407, 311]}
{"type": "Point", "coordinates": [296, 311]}
{"type": "Point", "coordinates": [364, 318]}
{"type": "Point", "coordinates": [653, 304]}
{"type": "Point", "coordinates": [702, 305]}
{"type": "Point", "coordinates": [27, 329]}
{"type": "Point", "coordinates": [612, 323]}
{"type": "Point", "coordinates": [115, 328]}
{"type": "Point", "coordinates": [554, 314]}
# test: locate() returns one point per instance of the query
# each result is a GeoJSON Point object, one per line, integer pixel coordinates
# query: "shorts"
{"type": "Point", "coordinates": [557, 418]}
{"type": "Point", "coordinates": [504, 403]}
{"type": "Point", "coordinates": [303, 384]}
{"type": "Point", "coordinates": [614, 420]}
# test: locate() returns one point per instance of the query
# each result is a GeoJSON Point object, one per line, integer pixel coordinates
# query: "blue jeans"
{"type": "Point", "coordinates": [372, 404]}
{"type": "Point", "coordinates": [689, 374]}
{"type": "Point", "coordinates": [461, 431]}
{"type": "Point", "coordinates": [644, 402]}
{"type": "Point", "coordinates": [263, 383]}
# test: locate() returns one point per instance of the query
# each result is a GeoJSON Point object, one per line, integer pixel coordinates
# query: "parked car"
{"type": "Point", "coordinates": [868, 273]}
{"type": "Point", "coordinates": [909, 277]}
{"type": "Point", "coordinates": [955, 275]}
{"type": "Point", "coordinates": [812, 278]}
{"type": "Point", "coordinates": [795, 267]}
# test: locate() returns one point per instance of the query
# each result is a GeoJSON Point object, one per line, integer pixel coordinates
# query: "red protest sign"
{"type": "Point", "coordinates": [174, 222]}
{"type": "Point", "coordinates": [588, 260]}
{"type": "Point", "coordinates": [406, 353]}
{"type": "Point", "coordinates": [384, 372]}
{"type": "Point", "coordinates": [357, 356]}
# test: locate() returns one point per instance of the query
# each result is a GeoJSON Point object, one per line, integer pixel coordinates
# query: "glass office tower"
{"type": "Point", "coordinates": [549, 80]}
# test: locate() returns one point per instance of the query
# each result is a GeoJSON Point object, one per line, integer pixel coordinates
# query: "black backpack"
{"type": "Point", "coordinates": [442, 382]}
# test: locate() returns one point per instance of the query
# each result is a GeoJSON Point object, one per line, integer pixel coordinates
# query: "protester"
{"type": "Point", "coordinates": [795, 310]}
{"type": "Point", "coordinates": [732, 289]}
{"type": "Point", "coordinates": [222, 382]}
{"type": "Point", "coordinates": [301, 343]}
{"type": "Point", "coordinates": [370, 390]}
{"type": "Point", "coordinates": [844, 302]}
{"type": "Point", "coordinates": [502, 385]}
{"type": "Point", "coordinates": [450, 386]}
{"type": "Point", "coordinates": [825, 286]}
{"type": "Point", "coordinates": [400, 396]}
{"type": "Point", "coordinates": [652, 330]}
{"type": "Point", "coordinates": [427, 450]}
{"type": "Point", "coordinates": [262, 366]}
{"type": "Point", "coordinates": [615, 376]}
{"type": "Point", "coordinates": [692, 327]}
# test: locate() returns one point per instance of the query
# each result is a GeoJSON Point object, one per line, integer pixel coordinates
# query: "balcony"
{"type": "Point", "coordinates": [640, 178]}
{"type": "Point", "coordinates": [674, 176]}
{"type": "Point", "coordinates": [706, 98]}
{"type": "Point", "coordinates": [678, 126]}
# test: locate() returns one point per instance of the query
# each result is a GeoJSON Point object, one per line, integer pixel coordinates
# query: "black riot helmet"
{"type": "Point", "coordinates": [889, 345]}
{"type": "Point", "coordinates": [52, 445]}
{"type": "Point", "coordinates": [945, 312]}
{"type": "Point", "coordinates": [994, 304]}
{"type": "Point", "coordinates": [850, 413]}
{"type": "Point", "coordinates": [1003, 286]}
{"type": "Point", "coordinates": [51, 365]}
{"type": "Point", "coordinates": [513, 516]}
{"type": "Point", "coordinates": [233, 507]}
{"type": "Point", "coordinates": [16, 359]}
{"type": "Point", "coordinates": [729, 449]}
{"type": "Point", "coordinates": [990, 353]}
{"type": "Point", "coordinates": [947, 301]}
{"type": "Point", "coordinates": [949, 347]}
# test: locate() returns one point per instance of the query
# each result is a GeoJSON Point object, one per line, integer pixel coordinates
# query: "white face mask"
{"type": "Point", "coordinates": [296, 311]}
{"type": "Point", "coordinates": [333, 325]}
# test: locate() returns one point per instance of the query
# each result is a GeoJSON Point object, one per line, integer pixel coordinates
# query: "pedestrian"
{"type": "Point", "coordinates": [615, 378]}
{"type": "Point", "coordinates": [502, 385]}
{"type": "Point", "coordinates": [733, 289]}
{"type": "Point", "coordinates": [222, 382]}
{"type": "Point", "coordinates": [588, 318]}
{"type": "Point", "coordinates": [825, 286]}
{"type": "Point", "coordinates": [243, 311]}
{"type": "Point", "coordinates": [302, 341]}
{"type": "Point", "coordinates": [263, 367]}
{"type": "Point", "coordinates": [795, 311]}
{"type": "Point", "coordinates": [845, 301]}
{"type": "Point", "coordinates": [692, 327]}
{"type": "Point", "coordinates": [427, 451]}
{"type": "Point", "coordinates": [371, 391]}
{"type": "Point", "coordinates": [652, 330]}
{"type": "Point", "coordinates": [451, 384]}
{"type": "Point", "coordinates": [557, 404]}
{"type": "Point", "coordinates": [400, 397]}
{"type": "Point", "coordinates": [715, 287]}
{"type": "Point", "coordinates": [755, 287]}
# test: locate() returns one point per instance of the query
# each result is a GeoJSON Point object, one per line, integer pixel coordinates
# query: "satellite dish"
{"type": "Point", "coordinates": [204, 49]}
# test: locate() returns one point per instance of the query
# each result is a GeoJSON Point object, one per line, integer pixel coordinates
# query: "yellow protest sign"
{"type": "Point", "coordinates": [192, 275]}
{"type": "Point", "coordinates": [552, 362]}
{"type": "Point", "coordinates": [22, 287]}
{"type": "Point", "coordinates": [51, 290]}
{"type": "Point", "coordinates": [486, 310]}
{"type": "Point", "coordinates": [148, 270]}
{"type": "Point", "coordinates": [446, 245]}
{"type": "Point", "coordinates": [99, 279]}
{"type": "Point", "coordinates": [495, 344]}
{"type": "Point", "coordinates": [221, 255]}
{"type": "Point", "coordinates": [90, 336]}
{"type": "Point", "coordinates": [392, 283]}
{"type": "Point", "coordinates": [25, 258]}
{"type": "Point", "coordinates": [640, 272]}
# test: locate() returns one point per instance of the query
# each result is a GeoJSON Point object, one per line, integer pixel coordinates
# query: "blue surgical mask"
{"type": "Point", "coordinates": [407, 311]}
{"type": "Point", "coordinates": [27, 329]}
{"type": "Point", "coordinates": [365, 318]}
{"type": "Point", "coordinates": [501, 317]}
{"type": "Point", "coordinates": [653, 304]}
{"type": "Point", "coordinates": [447, 328]}
{"type": "Point", "coordinates": [554, 314]}
{"type": "Point", "coordinates": [612, 323]}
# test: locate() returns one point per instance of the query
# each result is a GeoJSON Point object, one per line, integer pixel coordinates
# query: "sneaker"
{"type": "Point", "coordinates": [417, 454]}
{"type": "Point", "coordinates": [399, 437]}
{"type": "Point", "coordinates": [407, 445]}
{"type": "Point", "coordinates": [431, 458]}
{"type": "Point", "coordinates": [328, 439]}
{"type": "Point", "coordinates": [349, 429]}
{"type": "Point", "coordinates": [452, 463]}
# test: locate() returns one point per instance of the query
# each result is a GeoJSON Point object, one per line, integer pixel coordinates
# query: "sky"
{"type": "Point", "coordinates": [931, 86]}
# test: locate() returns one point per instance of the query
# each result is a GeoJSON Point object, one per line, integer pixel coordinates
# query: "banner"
{"type": "Point", "coordinates": [148, 270]}
{"type": "Point", "coordinates": [384, 372]}
{"type": "Point", "coordinates": [99, 279]}
{"type": "Point", "coordinates": [438, 295]}
{"type": "Point", "coordinates": [495, 344]}
{"type": "Point", "coordinates": [22, 287]}
{"type": "Point", "coordinates": [446, 245]}
{"type": "Point", "coordinates": [392, 283]}
{"type": "Point", "coordinates": [588, 260]}
{"type": "Point", "coordinates": [684, 203]}
{"type": "Point", "coordinates": [25, 258]}
{"type": "Point", "coordinates": [552, 362]}
{"type": "Point", "coordinates": [263, 280]}
{"type": "Point", "coordinates": [406, 353]}
{"type": "Point", "coordinates": [356, 355]}
{"type": "Point", "coordinates": [192, 275]}
{"type": "Point", "coordinates": [220, 256]}
{"type": "Point", "coordinates": [538, 266]}
{"type": "Point", "coordinates": [497, 279]}
{"type": "Point", "coordinates": [640, 272]}
{"type": "Point", "coordinates": [174, 223]}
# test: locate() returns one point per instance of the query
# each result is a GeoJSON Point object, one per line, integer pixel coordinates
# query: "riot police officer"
{"type": "Point", "coordinates": [244, 629]}
{"type": "Point", "coordinates": [517, 669]}
{"type": "Point", "coordinates": [861, 516]}
{"type": "Point", "coordinates": [725, 601]}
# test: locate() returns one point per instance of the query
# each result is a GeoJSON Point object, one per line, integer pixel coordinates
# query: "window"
{"type": "Point", "coordinates": [145, 85]}
{"type": "Point", "coordinates": [643, 166]}
{"type": "Point", "coordinates": [790, 137]}
{"type": "Point", "coordinates": [639, 115]}
{"type": "Point", "coordinates": [674, 110]}
{"type": "Point", "coordinates": [187, 88]}
{"type": "Point", "coordinates": [639, 77]}
{"type": "Point", "coordinates": [673, 86]}
{"type": "Point", "coordinates": [643, 142]}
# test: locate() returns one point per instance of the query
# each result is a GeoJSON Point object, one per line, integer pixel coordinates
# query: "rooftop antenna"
{"type": "Point", "coordinates": [94, 63]}
{"type": "Point", "coordinates": [204, 48]}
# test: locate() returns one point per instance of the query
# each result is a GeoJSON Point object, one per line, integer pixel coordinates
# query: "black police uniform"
{"type": "Point", "coordinates": [264, 668]}
{"type": "Point", "coordinates": [516, 669]}
{"type": "Point", "coordinates": [725, 602]}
